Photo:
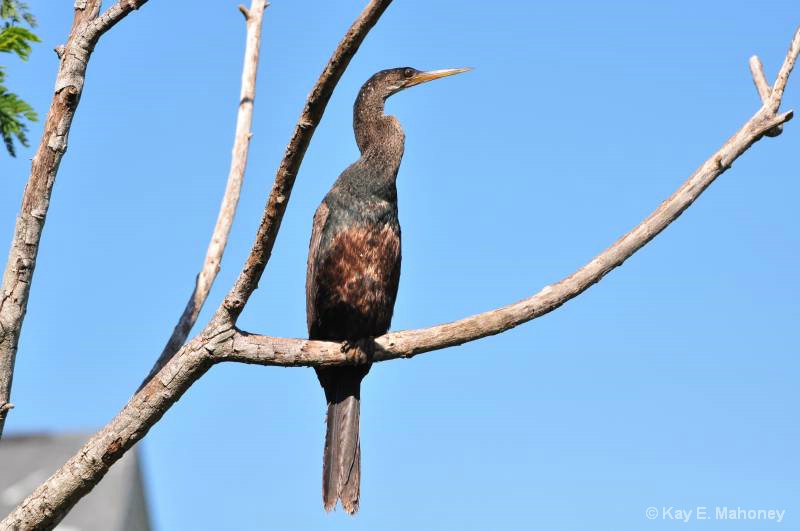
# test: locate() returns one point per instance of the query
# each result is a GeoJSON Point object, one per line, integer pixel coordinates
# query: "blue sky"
{"type": "Point", "coordinates": [671, 383]}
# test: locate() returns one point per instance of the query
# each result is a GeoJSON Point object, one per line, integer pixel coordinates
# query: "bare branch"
{"type": "Point", "coordinates": [266, 350]}
{"type": "Point", "coordinates": [18, 275]}
{"type": "Point", "coordinates": [111, 16]}
{"type": "Point", "coordinates": [760, 80]}
{"type": "Point", "coordinates": [241, 144]}
{"type": "Point", "coordinates": [764, 90]}
{"type": "Point", "coordinates": [51, 501]}
{"type": "Point", "coordinates": [783, 74]}
{"type": "Point", "coordinates": [293, 157]}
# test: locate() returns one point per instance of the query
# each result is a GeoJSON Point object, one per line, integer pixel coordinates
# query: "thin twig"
{"type": "Point", "coordinates": [783, 74]}
{"type": "Point", "coordinates": [241, 144]}
{"type": "Point", "coordinates": [760, 80]}
{"type": "Point", "coordinates": [86, 29]}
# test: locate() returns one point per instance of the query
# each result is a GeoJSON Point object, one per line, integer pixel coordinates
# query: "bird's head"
{"type": "Point", "coordinates": [388, 82]}
{"type": "Point", "coordinates": [372, 127]}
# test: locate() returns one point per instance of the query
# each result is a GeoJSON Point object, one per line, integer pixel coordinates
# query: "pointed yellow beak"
{"type": "Point", "coordinates": [424, 77]}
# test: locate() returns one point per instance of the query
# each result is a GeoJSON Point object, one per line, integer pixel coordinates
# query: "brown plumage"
{"type": "Point", "coordinates": [354, 270]}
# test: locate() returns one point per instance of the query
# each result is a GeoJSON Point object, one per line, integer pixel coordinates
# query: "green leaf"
{"type": "Point", "coordinates": [16, 12]}
{"type": "Point", "coordinates": [14, 39]}
{"type": "Point", "coordinates": [13, 112]}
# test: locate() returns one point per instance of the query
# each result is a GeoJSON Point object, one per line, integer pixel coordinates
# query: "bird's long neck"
{"type": "Point", "coordinates": [379, 137]}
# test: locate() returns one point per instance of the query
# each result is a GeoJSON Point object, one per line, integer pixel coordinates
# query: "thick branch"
{"type": "Point", "coordinates": [48, 504]}
{"type": "Point", "coordinates": [293, 157]}
{"type": "Point", "coordinates": [86, 29]}
{"type": "Point", "coordinates": [241, 145]}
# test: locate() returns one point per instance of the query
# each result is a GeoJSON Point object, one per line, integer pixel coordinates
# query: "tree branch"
{"type": "Point", "coordinates": [86, 29]}
{"type": "Point", "coordinates": [241, 144]}
{"type": "Point", "coordinates": [287, 171]}
{"type": "Point", "coordinates": [267, 350]}
{"type": "Point", "coordinates": [783, 74]}
{"type": "Point", "coordinates": [111, 16]}
{"type": "Point", "coordinates": [764, 90]}
{"type": "Point", "coordinates": [52, 500]}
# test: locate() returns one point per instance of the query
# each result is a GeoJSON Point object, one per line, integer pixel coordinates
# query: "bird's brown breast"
{"type": "Point", "coordinates": [355, 284]}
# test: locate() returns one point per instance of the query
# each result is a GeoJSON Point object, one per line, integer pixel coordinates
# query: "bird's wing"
{"type": "Point", "coordinates": [320, 218]}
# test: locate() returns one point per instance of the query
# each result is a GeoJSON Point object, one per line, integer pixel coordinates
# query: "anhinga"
{"type": "Point", "coordinates": [354, 269]}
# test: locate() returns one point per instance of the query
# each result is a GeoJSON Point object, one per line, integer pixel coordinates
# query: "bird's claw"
{"type": "Point", "coordinates": [358, 352]}
{"type": "Point", "coordinates": [347, 346]}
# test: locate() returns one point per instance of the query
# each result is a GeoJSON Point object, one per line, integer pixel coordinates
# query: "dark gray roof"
{"type": "Point", "coordinates": [116, 504]}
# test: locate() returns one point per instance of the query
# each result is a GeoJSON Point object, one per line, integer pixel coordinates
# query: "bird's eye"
{"type": "Point", "coordinates": [408, 72]}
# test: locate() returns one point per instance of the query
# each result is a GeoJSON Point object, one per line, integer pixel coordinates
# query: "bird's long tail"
{"type": "Point", "coordinates": [341, 467]}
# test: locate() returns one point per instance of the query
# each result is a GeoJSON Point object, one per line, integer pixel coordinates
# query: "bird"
{"type": "Point", "coordinates": [354, 270]}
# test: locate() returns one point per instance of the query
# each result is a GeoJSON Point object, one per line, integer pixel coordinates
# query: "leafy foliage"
{"type": "Point", "coordinates": [15, 12]}
{"type": "Point", "coordinates": [15, 39]}
{"type": "Point", "coordinates": [12, 111]}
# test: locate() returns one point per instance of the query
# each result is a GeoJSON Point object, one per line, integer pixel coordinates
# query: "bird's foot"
{"type": "Point", "coordinates": [359, 351]}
